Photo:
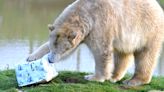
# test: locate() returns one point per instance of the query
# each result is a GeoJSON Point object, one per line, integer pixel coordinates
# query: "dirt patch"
{"type": "Point", "coordinates": [71, 80]}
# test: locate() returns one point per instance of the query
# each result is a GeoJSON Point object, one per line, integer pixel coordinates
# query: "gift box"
{"type": "Point", "coordinates": [38, 71]}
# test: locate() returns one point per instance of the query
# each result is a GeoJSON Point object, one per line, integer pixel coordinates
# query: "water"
{"type": "Point", "coordinates": [23, 28]}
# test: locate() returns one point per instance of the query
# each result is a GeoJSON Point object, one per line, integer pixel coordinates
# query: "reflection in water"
{"type": "Point", "coordinates": [23, 28]}
{"type": "Point", "coordinates": [161, 63]}
{"type": "Point", "coordinates": [1, 19]}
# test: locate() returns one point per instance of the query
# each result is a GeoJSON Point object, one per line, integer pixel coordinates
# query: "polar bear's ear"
{"type": "Point", "coordinates": [51, 27]}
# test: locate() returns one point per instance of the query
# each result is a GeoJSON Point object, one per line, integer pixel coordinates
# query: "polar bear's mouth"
{"type": "Point", "coordinates": [53, 57]}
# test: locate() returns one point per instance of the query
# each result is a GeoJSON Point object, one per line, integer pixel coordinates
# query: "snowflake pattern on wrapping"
{"type": "Point", "coordinates": [35, 72]}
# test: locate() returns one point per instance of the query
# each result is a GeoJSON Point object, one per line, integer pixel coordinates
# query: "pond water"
{"type": "Point", "coordinates": [23, 28]}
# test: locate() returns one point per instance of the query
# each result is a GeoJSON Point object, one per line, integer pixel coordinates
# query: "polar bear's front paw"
{"type": "Point", "coordinates": [113, 80]}
{"type": "Point", "coordinates": [94, 78]}
{"type": "Point", "coordinates": [31, 58]}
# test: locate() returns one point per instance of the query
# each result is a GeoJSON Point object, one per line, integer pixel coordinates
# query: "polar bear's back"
{"type": "Point", "coordinates": [136, 23]}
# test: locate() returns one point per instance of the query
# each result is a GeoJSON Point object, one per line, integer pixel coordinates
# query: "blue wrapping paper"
{"type": "Point", "coordinates": [38, 71]}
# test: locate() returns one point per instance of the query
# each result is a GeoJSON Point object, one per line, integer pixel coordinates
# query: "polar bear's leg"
{"type": "Point", "coordinates": [103, 70]}
{"type": "Point", "coordinates": [40, 52]}
{"type": "Point", "coordinates": [145, 63]}
{"type": "Point", "coordinates": [122, 62]}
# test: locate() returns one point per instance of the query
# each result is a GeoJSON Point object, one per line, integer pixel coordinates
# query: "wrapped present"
{"type": "Point", "coordinates": [38, 71]}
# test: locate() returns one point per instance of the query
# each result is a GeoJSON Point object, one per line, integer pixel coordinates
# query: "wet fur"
{"type": "Point", "coordinates": [117, 32]}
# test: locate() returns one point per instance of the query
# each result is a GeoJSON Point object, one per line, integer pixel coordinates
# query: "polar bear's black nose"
{"type": "Point", "coordinates": [51, 58]}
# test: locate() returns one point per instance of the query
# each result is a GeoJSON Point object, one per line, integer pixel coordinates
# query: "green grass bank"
{"type": "Point", "coordinates": [162, 3]}
{"type": "Point", "coordinates": [74, 82]}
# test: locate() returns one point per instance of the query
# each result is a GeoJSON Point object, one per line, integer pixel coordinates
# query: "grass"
{"type": "Point", "coordinates": [74, 82]}
{"type": "Point", "coordinates": [162, 3]}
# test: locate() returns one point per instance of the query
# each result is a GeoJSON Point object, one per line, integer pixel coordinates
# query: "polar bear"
{"type": "Point", "coordinates": [116, 31]}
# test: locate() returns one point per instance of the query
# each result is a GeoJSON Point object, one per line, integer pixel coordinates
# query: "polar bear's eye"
{"type": "Point", "coordinates": [57, 36]}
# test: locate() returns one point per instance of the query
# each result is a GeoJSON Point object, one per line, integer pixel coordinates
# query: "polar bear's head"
{"type": "Point", "coordinates": [63, 39]}
{"type": "Point", "coordinates": [68, 30]}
